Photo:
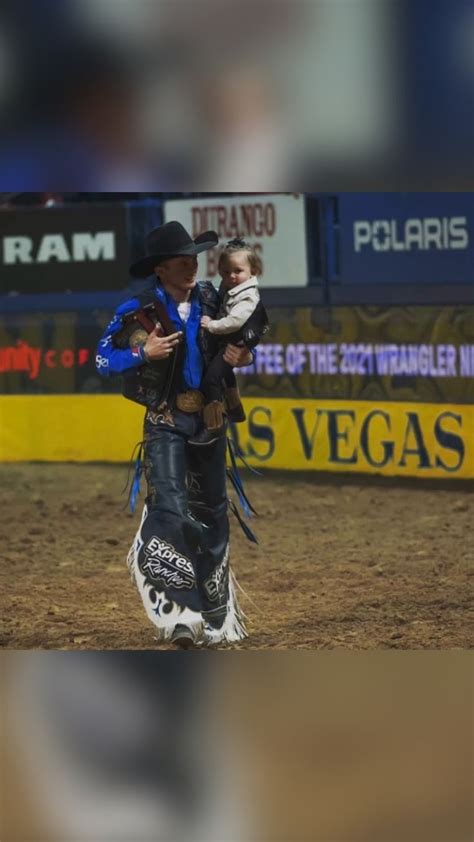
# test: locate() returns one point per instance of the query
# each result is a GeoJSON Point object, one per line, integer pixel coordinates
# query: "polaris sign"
{"type": "Point", "coordinates": [423, 234]}
{"type": "Point", "coordinates": [79, 248]}
{"type": "Point", "coordinates": [407, 237]}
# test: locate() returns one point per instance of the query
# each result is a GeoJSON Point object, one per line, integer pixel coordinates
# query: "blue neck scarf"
{"type": "Point", "coordinates": [193, 362]}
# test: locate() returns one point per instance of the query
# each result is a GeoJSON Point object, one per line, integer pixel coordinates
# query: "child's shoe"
{"type": "Point", "coordinates": [214, 427]}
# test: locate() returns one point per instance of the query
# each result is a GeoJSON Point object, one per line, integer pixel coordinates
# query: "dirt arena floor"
{"type": "Point", "coordinates": [342, 563]}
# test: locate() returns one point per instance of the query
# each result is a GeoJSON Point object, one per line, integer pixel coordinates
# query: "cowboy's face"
{"type": "Point", "coordinates": [178, 273]}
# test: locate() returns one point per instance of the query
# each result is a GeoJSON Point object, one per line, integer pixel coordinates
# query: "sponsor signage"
{"type": "Point", "coordinates": [77, 248]}
{"type": "Point", "coordinates": [394, 439]}
{"type": "Point", "coordinates": [426, 440]}
{"type": "Point", "coordinates": [274, 224]}
{"type": "Point", "coordinates": [364, 359]}
{"type": "Point", "coordinates": [364, 390]}
{"type": "Point", "coordinates": [30, 360]}
{"type": "Point", "coordinates": [51, 354]}
{"type": "Point", "coordinates": [406, 238]}
{"type": "Point", "coordinates": [420, 354]}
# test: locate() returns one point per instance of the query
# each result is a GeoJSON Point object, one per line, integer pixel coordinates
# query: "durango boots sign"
{"type": "Point", "coordinates": [80, 249]}
{"type": "Point", "coordinates": [273, 224]}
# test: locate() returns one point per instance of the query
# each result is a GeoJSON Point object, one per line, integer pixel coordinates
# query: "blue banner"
{"type": "Point", "coordinates": [406, 238]}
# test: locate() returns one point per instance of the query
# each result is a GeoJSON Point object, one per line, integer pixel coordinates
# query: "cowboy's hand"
{"type": "Point", "coordinates": [236, 356]}
{"type": "Point", "coordinates": [158, 347]}
{"type": "Point", "coordinates": [205, 321]}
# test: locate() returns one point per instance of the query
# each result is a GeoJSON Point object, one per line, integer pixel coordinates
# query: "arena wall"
{"type": "Point", "coordinates": [379, 384]}
{"type": "Point", "coordinates": [388, 438]}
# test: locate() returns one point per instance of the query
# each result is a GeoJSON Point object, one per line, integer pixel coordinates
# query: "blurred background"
{"type": "Point", "coordinates": [211, 95]}
{"type": "Point", "coordinates": [307, 747]}
{"type": "Point", "coordinates": [175, 748]}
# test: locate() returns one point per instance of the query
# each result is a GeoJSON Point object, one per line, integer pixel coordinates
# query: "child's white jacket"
{"type": "Point", "coordinates": [238, 305]}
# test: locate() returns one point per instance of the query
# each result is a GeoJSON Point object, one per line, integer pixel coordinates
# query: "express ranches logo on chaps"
{"type": "Point", "coordinates": [391, 438]}
{"type": "Point", "coordinates": [216, 584]}
{"type": "Point", "coordinates": [164, 564]}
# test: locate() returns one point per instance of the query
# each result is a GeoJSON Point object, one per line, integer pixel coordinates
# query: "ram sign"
{"type": "Point", "coordinates": [80, 248]}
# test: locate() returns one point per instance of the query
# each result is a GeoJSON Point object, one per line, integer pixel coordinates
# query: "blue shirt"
{"type": "Point", "coordinates": [111, 361]}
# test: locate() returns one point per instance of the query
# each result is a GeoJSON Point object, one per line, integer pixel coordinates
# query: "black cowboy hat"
{"type": "Point", "coordinates": [171, 240]}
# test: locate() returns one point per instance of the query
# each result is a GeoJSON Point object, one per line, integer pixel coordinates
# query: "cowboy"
{"type": "Point", "coordinates": [179, 559]}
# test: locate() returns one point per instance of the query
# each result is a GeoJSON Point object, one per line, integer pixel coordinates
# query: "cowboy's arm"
{"type": "Point", "coordinates": [115, 355]}
{"type": "Point", "coordinates": [111, 359]}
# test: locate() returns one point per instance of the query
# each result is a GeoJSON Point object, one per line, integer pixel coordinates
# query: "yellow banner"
{"type": "Point", "coordinates": [394, 439]}
{"type": "Point", "coordinates": [390, 438]}
{"type": "Point", "coordinates": [68, 428]}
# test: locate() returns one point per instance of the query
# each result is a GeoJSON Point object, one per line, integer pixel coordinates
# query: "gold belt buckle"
{"type": "Point", "coordinates": [190, 401]}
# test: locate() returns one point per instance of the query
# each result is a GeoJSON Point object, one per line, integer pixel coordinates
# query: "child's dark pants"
{"type": "Point", "coordinates": [217, 371]}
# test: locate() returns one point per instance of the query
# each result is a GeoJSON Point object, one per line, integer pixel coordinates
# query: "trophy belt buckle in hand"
{"type": "Point", "coordinates": [138, 338]}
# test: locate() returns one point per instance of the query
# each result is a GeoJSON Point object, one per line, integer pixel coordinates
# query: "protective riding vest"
{"type": "Point", "coordinates": [154, 383]}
